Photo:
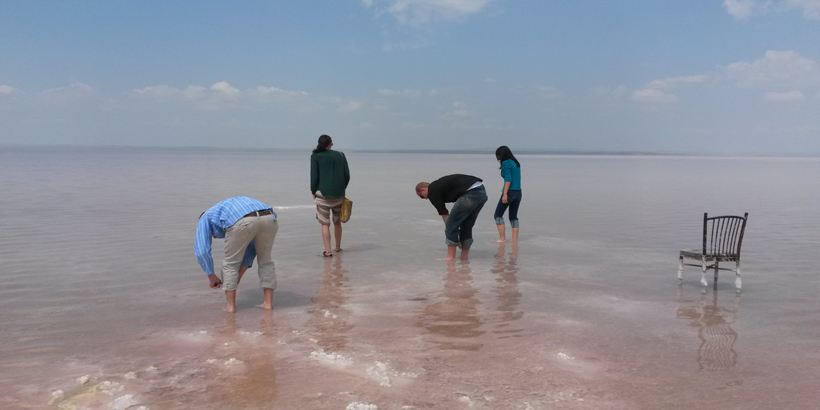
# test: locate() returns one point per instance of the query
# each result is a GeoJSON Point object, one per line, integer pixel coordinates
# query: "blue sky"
{"type": "Point", "coordinates": [705, 76]}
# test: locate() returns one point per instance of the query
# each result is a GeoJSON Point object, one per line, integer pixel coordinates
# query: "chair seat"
{"type": "Point", "coordinates": [698, 254]}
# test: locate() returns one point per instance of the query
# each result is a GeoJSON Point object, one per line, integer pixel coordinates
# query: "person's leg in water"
{"type": "Point", "coordinates": [265, 236]}
{"type": "Point", "coordinates": [499, 219]}
{"type": "Point", "coordinates": [514, 202]}
{"type": "Point", "coordinates": [337, 233]}
{"type": "Point", "coordinates": [474, 201]}
{"type": "Point", "coordinates": [326, 239]}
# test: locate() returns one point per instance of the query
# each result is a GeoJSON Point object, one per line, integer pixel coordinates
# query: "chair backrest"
{"type": "Point", "coordinates": [723, 235]}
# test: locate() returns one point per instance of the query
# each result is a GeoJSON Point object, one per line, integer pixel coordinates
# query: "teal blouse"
{"type": "Point", "coordinates": [512, 174]}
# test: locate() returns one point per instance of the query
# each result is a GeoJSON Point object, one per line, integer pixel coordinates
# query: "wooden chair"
{"type": "Point", "coordinates": [722, 237]}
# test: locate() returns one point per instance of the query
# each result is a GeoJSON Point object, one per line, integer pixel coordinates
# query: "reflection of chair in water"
{"type": "Point", "coordinates": [330, 315]}
{"type": "Point", "coordinates": [722, 237]}
{"type": "Point", "coordinates": [717, 338]}
{"type": "Point", "coordinates": [506, 289]}
{"type": "Point", "coordinates": [456, 317]}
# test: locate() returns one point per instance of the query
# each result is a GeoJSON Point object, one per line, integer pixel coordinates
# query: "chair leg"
{"type": "Point", "coordinates": [703, 275]}
{"type": "Point", "coordinates": [680, 270]}
{"type": "Point", "coordinates": [737, 276]}
{"type": "Point", "coordinates": [716, 271]}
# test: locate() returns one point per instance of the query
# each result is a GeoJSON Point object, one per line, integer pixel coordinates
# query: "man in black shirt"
{"type": "Point", "coordinates": [468, 194]}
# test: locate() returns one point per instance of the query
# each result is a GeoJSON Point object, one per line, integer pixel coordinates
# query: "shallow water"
{"type": "Point", "coordinates": [102, 303]}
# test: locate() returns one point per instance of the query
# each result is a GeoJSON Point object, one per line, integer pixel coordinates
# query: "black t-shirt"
{"type": "Point", "coordinates": [448, 189]}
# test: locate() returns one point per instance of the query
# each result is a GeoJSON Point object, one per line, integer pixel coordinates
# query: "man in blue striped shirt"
{"type": "Point", "coordinates": [249, 228]}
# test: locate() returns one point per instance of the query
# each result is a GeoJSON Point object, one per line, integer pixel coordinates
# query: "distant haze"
{"type": "Point", "coordinates": [716, 77]}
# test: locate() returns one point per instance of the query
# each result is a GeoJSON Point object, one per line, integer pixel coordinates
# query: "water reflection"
{"type": "Point", "coordinates": [330, 315]}
{"type": "Point", "coordinates": [454, 320]}
{"type": "Point", "coordinates": [506, 290]}
{"type": "Point", "coordinates": [714, 323]}
{"type": "Point", "coordinates": [242, 371]}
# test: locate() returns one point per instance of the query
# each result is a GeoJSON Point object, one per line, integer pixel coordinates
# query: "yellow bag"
{"type": "Point", "coordinates": [347, 209]}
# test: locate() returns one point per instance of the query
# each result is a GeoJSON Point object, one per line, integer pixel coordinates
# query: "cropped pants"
{"type": "Point", "coordinates": [458, 230]}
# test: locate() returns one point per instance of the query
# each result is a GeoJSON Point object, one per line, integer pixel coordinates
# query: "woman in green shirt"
{"type": "Point", "coordinates": [329, 176]}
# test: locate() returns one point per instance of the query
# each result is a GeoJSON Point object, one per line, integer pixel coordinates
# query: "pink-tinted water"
{"type": "Point", "coordinates": [102, 304]}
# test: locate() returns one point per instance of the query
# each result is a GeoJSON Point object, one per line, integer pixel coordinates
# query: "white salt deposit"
{"type": "Point", "coordinates": [562, 355]}
{"type": "Point", "coordinates": [232, 361]}
{"type": "Point", "coordinates": [130, 376]}
{"type": "Point", "coordinates": [334, 359]}
{"type": "Point", "coordinates": [83, 380]}
{"type": "Point", "coordinates": [361, 406]}
{"type": "Point", "coordinates": [56, 396]}
{"type": "Point", "coordinates": [124, 402]}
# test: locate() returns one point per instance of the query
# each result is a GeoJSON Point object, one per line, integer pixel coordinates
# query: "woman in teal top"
{"type": "Point", "coordinates": [510, 194]}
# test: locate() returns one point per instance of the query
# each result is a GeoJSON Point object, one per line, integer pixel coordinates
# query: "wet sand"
{"type": "Point", "coordinates": [104, 306]}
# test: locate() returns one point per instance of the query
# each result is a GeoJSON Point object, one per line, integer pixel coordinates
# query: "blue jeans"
{"type": "Point", "coordinates": [458, 230]}
{"type": "Point", "coordinates": [513, 201]}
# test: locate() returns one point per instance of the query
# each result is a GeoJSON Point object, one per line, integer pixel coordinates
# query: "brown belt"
{"type": "Point", "coordinates": [259, 213]}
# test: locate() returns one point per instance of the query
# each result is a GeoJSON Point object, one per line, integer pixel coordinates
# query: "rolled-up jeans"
{"type": "Point", "coordinates": [458, 230]}
{"type": "Point", "coordinates": [262, 231]}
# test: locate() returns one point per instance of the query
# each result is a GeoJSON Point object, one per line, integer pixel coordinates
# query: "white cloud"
{"type": "Point", "coordinates": [740, 9]}
{"type": "Point", "coordinates": [349, 106]}
{"type": "Point", "coordinates": [610, 92]}
{"type": "Point", "coordinates": [9, 90]}
{"type": "Point", "coordinates": [459, 111]}
{"type": "Point", "coordinates": [401, 93]}
{"type": "Point", "coordinates": [421, 12]}
{"type": "Point", "coordinates": [775, 69]}
{"type": "Point", "coordinates": [810, 8]}
{"type": "Point", "coordinates": [653, 95]}
{"type": "Point", "coordinates": [676, 82]}
{"type": "Point", "coordinates": [548, 91]}
{"type": "Point", "coordinates": [225, 88]}
{"type": "Point", "coordinates": [366, 126]}
{"type": "Point", "coordinates": [222, 95]}
{"type": "Point", "coordinates": [73, 92]}
{"type": "Point", "coordinates": [789, 96]}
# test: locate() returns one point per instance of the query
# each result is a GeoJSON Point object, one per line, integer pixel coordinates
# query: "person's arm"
{"type": "Point", "coordinates": [202, 250]}
{"type": "Point", "coordinates": [444, 217]}
{"type": "Point", "coordinates": [506, 190]}
{"type": "Point", "coordinates": [506, 173]}
{"type": "Point", "coordinates": [314, 174]}
{"type": "Point", "coordinates": [202, 245]}
{"type": "Point", "coordinates": [347, 171]}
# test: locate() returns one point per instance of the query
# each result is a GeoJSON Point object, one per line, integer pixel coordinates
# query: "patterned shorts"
{"type": "Point", "coordinates": [325, 205]}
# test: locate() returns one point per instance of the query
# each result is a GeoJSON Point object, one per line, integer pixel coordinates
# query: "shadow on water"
{"type": "Point", "coordinates": [714, 323]}
{"type": "Point", "coordinates": [453, 321]}
{"type": "Point", "coordinates": [330, 316]}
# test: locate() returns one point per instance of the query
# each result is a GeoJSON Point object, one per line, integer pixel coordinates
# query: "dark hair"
{"type": "Point", "coordinates": [503, 153]}
{"type": "Point", "coordinates": [324, 142]}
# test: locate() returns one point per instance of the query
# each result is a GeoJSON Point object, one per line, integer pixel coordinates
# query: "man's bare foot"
{"type": "Point", "coordinates": [501, 240]}
{"type": "Point", "coordinates": [265, 306]}
{"type": "Point", "coordinates": [450, 258]}
{"type": "Point", "coordinates": [229, 309]}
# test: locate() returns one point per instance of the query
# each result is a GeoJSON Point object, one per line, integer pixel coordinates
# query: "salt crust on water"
{"type": "Point", "coordinates": [361, 406]}
{"type": "Point", "coordinates": [331, 358]}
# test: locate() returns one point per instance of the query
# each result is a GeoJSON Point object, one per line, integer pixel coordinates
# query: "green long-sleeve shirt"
{"type": "Point", "coordinates": [329, 174]}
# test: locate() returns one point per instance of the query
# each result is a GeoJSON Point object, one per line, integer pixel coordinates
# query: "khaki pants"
{"type": "Point", "coordinates": [262, 231]}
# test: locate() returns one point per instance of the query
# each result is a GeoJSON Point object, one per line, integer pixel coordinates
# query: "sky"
{"type": "Point", "coordinates": [731, 77]}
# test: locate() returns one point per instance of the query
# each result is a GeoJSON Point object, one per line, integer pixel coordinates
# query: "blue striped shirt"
{"type": "Point", "coordinates": [213, 224]}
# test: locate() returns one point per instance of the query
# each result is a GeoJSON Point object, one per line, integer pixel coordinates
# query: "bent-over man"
{"type": "Point", "coordinates": [468, 194]}
{"type": "Point", "coordinates": [249, 228]}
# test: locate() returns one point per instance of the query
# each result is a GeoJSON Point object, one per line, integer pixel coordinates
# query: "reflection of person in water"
{"type": "Point", "coordinates": [330, 315]}
{"type": "Point", "coordinates": [456, 317]}
{"type": "Point", "coordinates": [714, 323]}
{"type": "Point", "coordinates": [506, 289]}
